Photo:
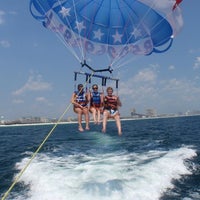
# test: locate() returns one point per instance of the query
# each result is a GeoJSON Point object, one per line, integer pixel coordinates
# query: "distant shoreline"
{"type": "Point", "coordinates": [37, 124]}
{"type": "Point", "coordinates": [75, 122]}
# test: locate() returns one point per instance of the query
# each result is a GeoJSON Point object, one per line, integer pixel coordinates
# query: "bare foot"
{"type": "Point", "coordinates": [103, 130]}
{"type": "Point", "coordinates": [80, 129]}
{"type": "Point", "coordinates": [119, 133]}
{"type": "Point", "coordinates": [87, 128]}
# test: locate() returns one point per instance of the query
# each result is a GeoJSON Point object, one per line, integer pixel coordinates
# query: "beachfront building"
{"type": "Point", "coordinates": [134, 114]}
{"type": "Point", "coordinates": [151, 112]}
{"type": "Point", "coordinates": [2, 120]}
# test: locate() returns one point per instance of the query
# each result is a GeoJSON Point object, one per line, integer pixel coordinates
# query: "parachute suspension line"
{"type": "Point", "coordinates": [51, 22]}
{"type": "Point", "coordinates": [40, 146]}
{"type": "Point", "coordinates": [121, 50]}
{"type": "Point", "coordinates": [75, 81]}
{"type": "Point", "coordinates": [87, 80]}
{"type": "Point", "coordinates": [164, 18]}
{"type": "Point", "coordinates": [69, 45]}
{"type": "Point", "coordinates": [155, 50]}
{"type": "Point", "coordinates": [89, 29]}
{"type": "Point", "coordinates": [103, 85]}
{"type": "Point", "coordinates": [117, 87]}
{"type": "Point", "coordinates": [103, 82]}
{"type": "Point", "coordinates": [170, 43]}
{"type": "Point", "coordinates": [78, 27]}
{"type": "Point", "coordinates": [61, 37]}
{"type": "Point", "coordinates": [127, 61]}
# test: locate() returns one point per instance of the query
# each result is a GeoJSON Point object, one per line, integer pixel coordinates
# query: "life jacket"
{"type": "Point", "coordinates": [81, 98]}
{"type": "Point", "coordinates": [110, 102]}
{"type": "Point", "coordinates": [95, 99]}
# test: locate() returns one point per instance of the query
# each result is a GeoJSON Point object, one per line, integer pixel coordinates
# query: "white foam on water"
{"type": "Point", "coordinates": [110, 176]}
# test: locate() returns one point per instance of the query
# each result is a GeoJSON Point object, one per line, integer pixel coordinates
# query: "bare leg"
{"type": "Point", "coordinates": [79, 116]}
{"type": "Point", "coordinates": [105, 118]}
{"type": "Point", "coordinates": [80, 128]}
{"type": "Point", "coordinates": [98, 116]}
{"type": "Point", "coordinates": [118, 123]}
{"type": "Point", "coordinates": [94, 112]}
{"type": "Point", "coordinates": [86, 113]}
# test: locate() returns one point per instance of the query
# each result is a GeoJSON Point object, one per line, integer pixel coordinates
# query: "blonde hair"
{"type": "Point", "coordinates": [109, 88]}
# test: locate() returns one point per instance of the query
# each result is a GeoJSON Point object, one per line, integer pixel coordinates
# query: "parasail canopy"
{"type": "Point", "coordinates": [112, 27]}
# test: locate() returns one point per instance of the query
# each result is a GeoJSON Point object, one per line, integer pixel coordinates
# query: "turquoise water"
{"type": "Point", "coordinates": [153, 159]}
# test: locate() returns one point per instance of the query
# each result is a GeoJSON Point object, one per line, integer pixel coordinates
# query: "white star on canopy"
{"type": "Point", "coordinates": [98, 34]}
{"type": "Point", "coordinates": [80, 26]}
{"type": "Point", "coordinates": [65, 11]}
{"type": "Point", "coordinates": [137, 33]}
{"type": "Point", "coordinates": [117, 37]}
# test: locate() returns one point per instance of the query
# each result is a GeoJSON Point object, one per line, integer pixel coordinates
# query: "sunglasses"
{"type": "Point", "coordinates": [94, 88]}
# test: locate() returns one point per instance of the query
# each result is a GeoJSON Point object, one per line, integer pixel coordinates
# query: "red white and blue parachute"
{"type": "Point", "coordinates": [112, 27]}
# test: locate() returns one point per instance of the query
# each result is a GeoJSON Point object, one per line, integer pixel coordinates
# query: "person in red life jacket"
{"type": "Point", "coordinates": [111, 110]}
{"type": "Point", "coordinates": [96, 102]}
{"type": "Point", "coordinates": [80, 100]}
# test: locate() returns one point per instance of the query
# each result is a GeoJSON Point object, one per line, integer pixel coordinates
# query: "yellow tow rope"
{"type": "Point", "coordinates": [40, 146]}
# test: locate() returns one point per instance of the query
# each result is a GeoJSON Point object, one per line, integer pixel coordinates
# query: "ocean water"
{"type": "Point", "coordinates": [154, 159]}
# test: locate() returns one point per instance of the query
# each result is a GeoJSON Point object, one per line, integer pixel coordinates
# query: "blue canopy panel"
{"type": "Point", "coordinates": [116, 27]}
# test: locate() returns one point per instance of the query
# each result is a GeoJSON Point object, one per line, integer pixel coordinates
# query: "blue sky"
{"type": "Point", "coordinates": [36, 76]}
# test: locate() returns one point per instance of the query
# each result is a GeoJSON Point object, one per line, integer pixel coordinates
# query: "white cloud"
{"type": "Point", "coordinates": [145, 90]}
{"type": "Point", "coordinates": [146, 75]}
{"type": "Point", "coordinates": [18, 101]}
{"type": "Point", "coordinates": [181, 89]}
{"type": "Point", "coordinates": [140, 89]}
{"type": "Point", "coordinates": [4, 43]}
{"type": "Point", "coordinates": [41, 99]}
{"type": "Point", "coordinates": [34, 83]}
{"type": "Point", "coordinates": [197, 63]}
{"type": "Point", "coordinates": [2, 13]}
{"type": "Point", "coordinates": [171, 67]}
{"type": "Point", "coordinates": [12, 12]}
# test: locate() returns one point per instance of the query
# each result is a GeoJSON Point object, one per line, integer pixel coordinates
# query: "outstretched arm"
{"type": "Point", "coordinates": [73, 98]}
{"type": "Point", "coordinates": [119, 103]}
{"type": "Point", "coordinates": [73, 101]}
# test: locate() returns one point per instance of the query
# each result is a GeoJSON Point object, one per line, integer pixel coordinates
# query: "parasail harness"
{"type": "Point", "coordinates": [89, 76]}
{"type": "Point", "coordinates": [96, 70]}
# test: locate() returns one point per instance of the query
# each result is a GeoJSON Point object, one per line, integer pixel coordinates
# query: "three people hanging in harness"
{"type": "Point", "coordinates": [96, 103]}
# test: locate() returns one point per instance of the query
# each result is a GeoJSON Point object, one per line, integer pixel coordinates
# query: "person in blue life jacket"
{"type": "Point", "coordinates": [80, 100]}
{"type": "Point", "coordinates": [96, 103]}
{"type": "Point", "coordinates": [111, 109]}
